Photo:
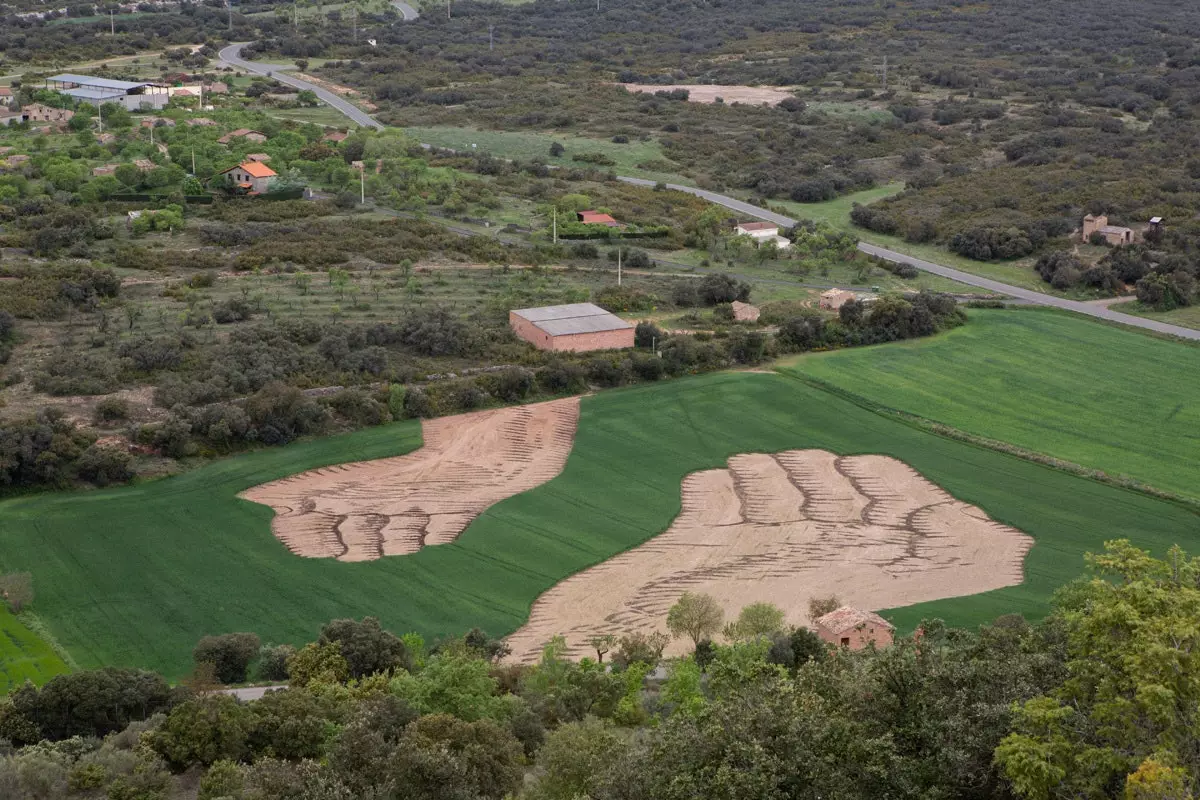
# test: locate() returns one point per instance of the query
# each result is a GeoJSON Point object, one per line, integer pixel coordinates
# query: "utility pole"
{"type": "Point", "coordinates": [556, 224]}
{"type": "Point", "coordinates": [618, 266]}
{"type": "Point", "coordinates": [100, 114]}
{"type": "Point", "coordinates": [112, 23]}
{"type": "Point", "coordinates": [229, 6]}
{"type": "Point", "coordinates": [193, 161]}
{"type": "Point", "coordinates": [883, 71]}
{"type": "Point", "coordinates": [491, 36]}
{"type": "Point", "coordinates": [362, 184]}
{"type": "Point", "coordinates": [447, 9]}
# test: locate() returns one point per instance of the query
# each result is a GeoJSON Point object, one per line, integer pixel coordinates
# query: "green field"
{"type": "Point", "coordinates": [23, 655]}
{"type": "Point", "coordinates": [1052, 382]}
{"type": "Point", "coordinates": [526, 146]}
{"type": "Point", "coordinates": [134, 576]}
{"type": "Point", "coordinates": [1187, 316]}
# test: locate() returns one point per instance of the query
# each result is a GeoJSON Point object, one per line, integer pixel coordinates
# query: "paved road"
{"type": "Point", "coordinates": [408, 12]}
{"type": "Point", "coordinates": [252, 692]}
{"type": "Point", "coordinates": [1090, 309]}
{"type": "Point", "coordinates": [231, 55]}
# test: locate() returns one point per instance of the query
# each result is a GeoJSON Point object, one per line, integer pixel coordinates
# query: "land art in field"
{"type": "Point", "coordinates": [396, 506]}
{"type": "Point", "coordinates": [134, 576]}
{"type": "Point", "coordinates": [783, 529]}
{"type": "Point", "coordinates": [708, 93]}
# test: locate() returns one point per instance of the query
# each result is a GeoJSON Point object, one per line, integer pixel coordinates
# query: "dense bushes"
{"type": "Point", "coordinates": [992, 244]}
{"type": "Point", "coordinates": [45, 451]}
{"type": "Point", "coordinates": [887, 319]}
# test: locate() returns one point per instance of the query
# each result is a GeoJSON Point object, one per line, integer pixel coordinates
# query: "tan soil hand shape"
{"type": "Point", "coordinates": [781, 529]}
{"type": "Point", "coordinates": [394, 506]}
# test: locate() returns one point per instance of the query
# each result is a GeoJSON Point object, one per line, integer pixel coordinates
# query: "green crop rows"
{"type": "Point", "coordinates": [135, 576]}
{"type": "Point", "coordinates": [1052, 382]}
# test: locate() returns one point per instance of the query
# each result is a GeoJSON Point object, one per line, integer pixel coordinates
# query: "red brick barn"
{"type": "Point", "coordinates": [576, 328]}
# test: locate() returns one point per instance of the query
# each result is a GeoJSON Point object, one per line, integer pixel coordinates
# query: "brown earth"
{"type": "Point", "coordinates": [706, 93]}
{"type": "Point", "coordinates": [394, 506]}
{"type": "Point", "coordinates": [782, 529]}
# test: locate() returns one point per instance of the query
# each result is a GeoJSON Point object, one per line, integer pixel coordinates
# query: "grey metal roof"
{"type": "Point", "coordinates": [573, 318]}
{"type": "Point", "coordinates": [93, 94]}
{"type": "Point", "coordinates": [97, 83]}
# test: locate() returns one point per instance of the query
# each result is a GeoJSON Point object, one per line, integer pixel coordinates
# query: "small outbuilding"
{"type": "Point", "coordinates": [834, 299]}
{"type": "Point", "coordinates": [243, 133]}
{"type": "Point", "coordinates": [744, 312]}
{"type": "Point", "coordinates": [854, 628]}
{"type": "Point", "coordinates": [598, 218]}
{"type": "Point", "coordinates": [576, 328]}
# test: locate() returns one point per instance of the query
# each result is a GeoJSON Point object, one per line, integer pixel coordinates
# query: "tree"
{"type": "Point", "coordinates": [230, 654]}
{"type": "Point", "coordinates": [557, 150]}
{"type": "Point", "coordinates": [441, 757]}
{"type": "Point", "coordinates": [1133, 649]}
{"type": "Point", "coordinates": [452, 683]}
{"type": "Point", "coordinates": [272, 661]}
{"type": "Point", "coordinates": [365, 645]}
{"type": "Point", "coordinates": [755, 621]}
{"type": "Point", "coordinates": [602, 643]}
{"type": "Point", "coordinates": [640, 648]}
{"type": "Point", "coordinates": [575, 758]}
{"type": "Point", "coordinates": [203, 731]}
{"type": "Point", "coordinates": [316, 663]}
{"type": "Point", "coordinates": [17, 590]}
{"type": "Point", "coordinates": [820, 606]}
{"type": "Point", "coordinates": [695, 615]}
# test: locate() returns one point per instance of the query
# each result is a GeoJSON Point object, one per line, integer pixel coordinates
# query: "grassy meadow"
{"type": "Point", "coordinates": [134, 576]}
{"type": "Point", "coordinates": [526, 146]}
{"type": "Point", "coordinates": [24, 655]}
{"type": "Point", "coordinates": [1052, 382]}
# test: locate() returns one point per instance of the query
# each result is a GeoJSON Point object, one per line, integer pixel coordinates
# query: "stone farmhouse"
{"type": "Point", "coordinates": [243, 133]}
{"type": "Point", "coordinates": [577, 328]}
{"type": "Point", "coordinates": [854, 628]}
{"type": "Point", "coordinates": [1113, 234]}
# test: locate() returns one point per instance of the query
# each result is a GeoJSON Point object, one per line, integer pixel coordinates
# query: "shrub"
{"type": "Point", "coordinates": [104, 465]}
{"type": "Point", "coordinates": [112, 409]}
{"type": "Point", "coordinates": [646, 334]}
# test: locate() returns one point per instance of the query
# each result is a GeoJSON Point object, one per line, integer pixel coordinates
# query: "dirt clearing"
{"type": "Point", "coordinates": [394, 506]}
{"type": "Point", "coordinates": [784, 528]}
{"type": "Point", "coordinates": [706, 93]}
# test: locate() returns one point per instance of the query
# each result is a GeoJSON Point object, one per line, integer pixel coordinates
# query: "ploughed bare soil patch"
{"type": "Point", "coordinates": [394, 506]}
{"type": "Point", "coordinates": [782, 529]}
{"type": "Point", "coordinates": [707, 93]}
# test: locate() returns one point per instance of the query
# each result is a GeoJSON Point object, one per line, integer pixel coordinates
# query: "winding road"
{"type": "Point", "coordinates": [232, 55]}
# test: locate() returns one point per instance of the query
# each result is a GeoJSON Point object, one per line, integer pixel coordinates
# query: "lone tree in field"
{"type": "Point", "coordinates": [17, 590]}
{"type": "Point", "coordinates": [755, 621]}
{"type": "Point", "coordinates": [820, 606]}
{"type": "Point", "coordinates": [697, 616]}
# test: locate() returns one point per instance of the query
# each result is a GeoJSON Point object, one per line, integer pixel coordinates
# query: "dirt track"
{"type": "Point", "coordinates": [394, 506]}
{"type": "Point", "coordinates": [784, 528]}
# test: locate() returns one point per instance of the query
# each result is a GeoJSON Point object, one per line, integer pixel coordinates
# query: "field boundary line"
{"type": "Point", "coordinates": [957, 434]}
{"type": "Point", "coordinates": [38, 628]}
